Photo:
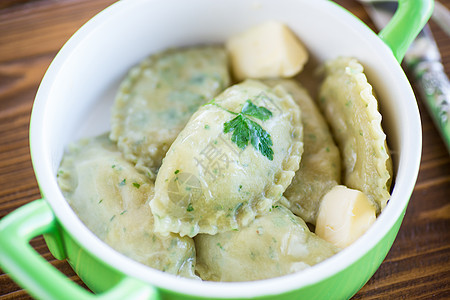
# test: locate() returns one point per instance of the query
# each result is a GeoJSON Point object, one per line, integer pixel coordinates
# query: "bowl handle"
{"type": "Point", "coordinates": [409, 19]}
{"type": "Point", "coordinates": [38, 276]}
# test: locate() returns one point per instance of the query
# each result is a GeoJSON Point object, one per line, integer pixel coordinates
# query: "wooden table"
{"type": "Point", "coordinates": [31, 33]}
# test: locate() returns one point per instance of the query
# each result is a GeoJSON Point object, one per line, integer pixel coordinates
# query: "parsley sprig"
{"type": "Point", "coordinates": [246, 130]}
{"type": "Point", "coordinates": [259, 112]}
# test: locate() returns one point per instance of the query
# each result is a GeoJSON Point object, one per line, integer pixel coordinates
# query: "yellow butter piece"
{"type": "Point", "coordinates": [344, 215]}
{"type": "Point", "coordinates": [266, 50]}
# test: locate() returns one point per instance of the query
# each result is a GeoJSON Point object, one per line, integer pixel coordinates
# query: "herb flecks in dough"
{"type": "Point", "coordinates": [320, 166]}
{"type": "Point", "coordinates": [119, 214]}
{"type": "Point", "coordinates": [209, 160]}
{"type": "Point", "coordinates": [157, 98]}
{"type": "Point", "coordinates": [351, 109]}
{"type": "Point", "coordinates": [246, 130]}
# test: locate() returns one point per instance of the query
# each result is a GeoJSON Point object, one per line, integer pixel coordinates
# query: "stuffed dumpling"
{"type": "Point", "coordinates": [158, 97]}
{"type": "Point", "coordinates": [275, 244]}
{"type": "Point", "coordinates": [350, 107]}
{"type": "Point", "coordinates": [232, 161]}
{"type": "Point", "coordinates": [111, 198]}
{"type": "Point", "coordinates": [320, 167]}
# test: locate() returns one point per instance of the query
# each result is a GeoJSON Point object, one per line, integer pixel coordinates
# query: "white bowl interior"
{"type": "Point", "coordinates": [77, 92]}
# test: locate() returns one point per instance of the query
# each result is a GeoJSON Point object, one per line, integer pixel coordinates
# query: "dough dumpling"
{"type": "Point", "coordinates": [320, 167]}
{"type": "Point", "coordinates": [207, 184]}
{"type": "Point", "coordinates": [158, 97]}
{"type": "Point", "coordinates": [111, 199]}
{"type": "Point", "coordinates": [351, 109]}
{"type": "Point", "coordinates": [274, 244]}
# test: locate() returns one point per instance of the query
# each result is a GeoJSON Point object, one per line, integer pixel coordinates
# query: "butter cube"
{"type": "Point", "coordinates": [267, 50]}
{"type": "Point", "coordinates": [344, 215]}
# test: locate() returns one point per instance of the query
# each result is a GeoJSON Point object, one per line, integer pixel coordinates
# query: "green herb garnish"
{"type": "Point", "coordinates": [123, 182]}
{"type": "Point", "coordinates": [136, 185]}
{"type": "Point", "coordinates": [189, 207]}
{"type": "Point", "coordinates": [246, 130]}
{"type": "Point", "coordinates": [258, 112]}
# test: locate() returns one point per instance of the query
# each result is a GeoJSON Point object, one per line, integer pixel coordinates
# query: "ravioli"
{"type": "Point", "coordinates": [158, 96]}
{"type": "Point", "coordinates": [275, 244]}
{"type": "Point", "coordinates": [351, 109]}
{"type": "Point", "coordinates": [207, 184]}
{"type": "Point", "coordinates": [111, 198]}
{"type": "Point", "coordinates": [320, 167]}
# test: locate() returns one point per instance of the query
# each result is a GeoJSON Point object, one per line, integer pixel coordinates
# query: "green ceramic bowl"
{"type": "Point", "coordinates": [74, 100]}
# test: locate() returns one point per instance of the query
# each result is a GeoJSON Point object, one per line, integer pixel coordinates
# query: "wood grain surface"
{"type": "Point", "coordinates": [32, 32]}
